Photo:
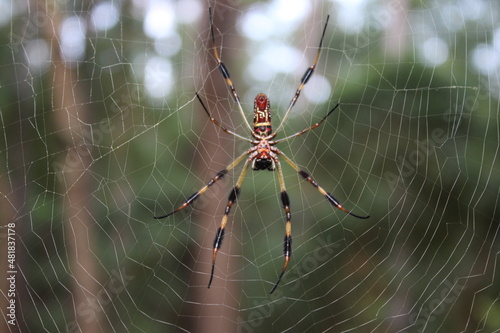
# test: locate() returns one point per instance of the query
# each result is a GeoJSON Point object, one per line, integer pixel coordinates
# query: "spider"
{"type": "Point", "coordinates": [263, 155]}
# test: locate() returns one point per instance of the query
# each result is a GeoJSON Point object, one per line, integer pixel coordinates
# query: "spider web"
{"type": "Point", "coordinates": [101, 131]}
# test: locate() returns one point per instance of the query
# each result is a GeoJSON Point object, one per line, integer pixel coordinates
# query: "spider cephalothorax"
{"type": "Point", "coordinates": [262, 155]}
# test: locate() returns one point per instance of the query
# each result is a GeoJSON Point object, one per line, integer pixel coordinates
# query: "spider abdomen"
{"type": "Point", "coordinates": [262, 116]}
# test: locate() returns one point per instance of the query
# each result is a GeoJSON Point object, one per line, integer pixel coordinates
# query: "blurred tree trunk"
{"type": "Point", "coordinates": [215, 308]}
{"type": "Point", "coordinates": [72, 118]}
{"type": "Point", "coordinates": [396, 31]}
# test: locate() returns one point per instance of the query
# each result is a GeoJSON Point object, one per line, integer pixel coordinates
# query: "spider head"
{"type": "Point", "coordinates": [263, 164]}
{"type": "Point", "coordinates": [262, 116]}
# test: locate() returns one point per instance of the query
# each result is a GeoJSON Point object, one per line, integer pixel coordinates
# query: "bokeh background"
{"type": "Point", "coordinates": [101, 131]}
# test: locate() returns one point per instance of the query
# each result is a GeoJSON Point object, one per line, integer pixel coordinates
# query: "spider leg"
{"type": "Point", "coordinates": [308, 177]}
{"type": "Point", "coordinates": [217, 177]}
{"type": "Point", "coordinates": [225, 72]}
{"type": "Point", "coordinates": [307, 129]}
{"type": "Point", "coordinates": [305, 78]}
{"type": "Point", "coordinates": [213, 120]}
{"type": "Point", "coordinates": [287, 244]}
{"type": "Point", "coordinates": [219, 236]}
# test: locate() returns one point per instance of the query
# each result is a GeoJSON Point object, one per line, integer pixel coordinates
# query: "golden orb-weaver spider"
{"type": "Point", "coordinates": [263, 155]}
